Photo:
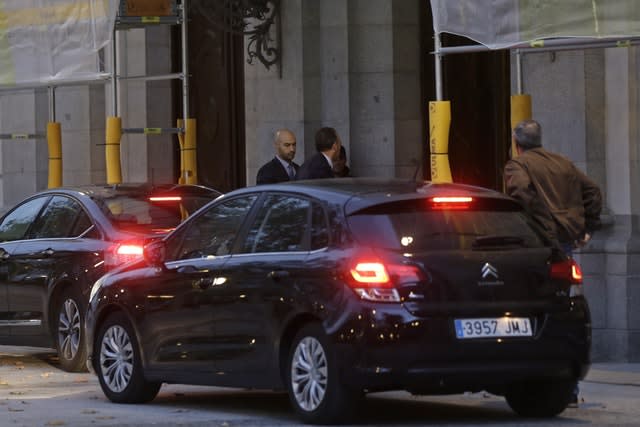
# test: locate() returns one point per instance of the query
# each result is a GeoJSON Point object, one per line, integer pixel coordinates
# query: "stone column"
{"type": "Point", "coordinates": [23, 161]}
{"type": "Point", "coordinates": [352, 65]}
{"type": "Point", "coordinates": [617, 332]}
{"type": "Point", "coordinates": [274, 98]}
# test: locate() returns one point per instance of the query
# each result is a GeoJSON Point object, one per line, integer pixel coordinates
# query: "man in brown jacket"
{"type": "Point", "coordinates": [552, 189]}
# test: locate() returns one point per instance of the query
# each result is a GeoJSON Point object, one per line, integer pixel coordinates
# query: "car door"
{"type": "Point", "coordinates": [13, 227]}
{"type": "Point", "coordinates": [178, 331]}
{"type": "Point", "coordinates": [260, 287]}
{"type": "Point", "coordinates": [58, 247]}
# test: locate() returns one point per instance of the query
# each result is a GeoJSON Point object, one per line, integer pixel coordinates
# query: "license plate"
{"type": "Point", "coordinates": [496, 327]}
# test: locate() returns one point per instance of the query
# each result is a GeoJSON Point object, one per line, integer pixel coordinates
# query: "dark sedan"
{"type": "Point", "coordinates": [55, 244]}
{"type": "Point", "coordinates": [334, 288]}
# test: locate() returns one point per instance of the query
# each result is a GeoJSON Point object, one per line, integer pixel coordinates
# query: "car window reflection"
{"type": "Point", "coordinates": [213, 233]}
{"type": "Point", "coordinates": [280, 226]}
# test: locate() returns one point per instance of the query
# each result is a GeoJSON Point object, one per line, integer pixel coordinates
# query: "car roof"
{"type": "Point", "coordinates": [102, 191]}
{"type": "Point", "coordinates": [360, 193]}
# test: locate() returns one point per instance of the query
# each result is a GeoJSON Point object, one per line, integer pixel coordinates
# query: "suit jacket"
{"type": "Point", "coordinates": [314, 168]}
{"type": "Point", "coordinates": [273, 172]}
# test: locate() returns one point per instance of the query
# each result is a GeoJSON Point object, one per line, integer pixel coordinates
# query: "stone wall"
{"type": "Point", "coordinates": [354, 66]}
{"type": "Point", "coordinates": [587, 103]}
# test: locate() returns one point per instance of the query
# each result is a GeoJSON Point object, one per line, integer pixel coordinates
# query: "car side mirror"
{"type": "Point", "coordinates": [155, 253]}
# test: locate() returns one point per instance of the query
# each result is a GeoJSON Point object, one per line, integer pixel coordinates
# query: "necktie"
{"type": "Point", "coordinates": [292, 172]}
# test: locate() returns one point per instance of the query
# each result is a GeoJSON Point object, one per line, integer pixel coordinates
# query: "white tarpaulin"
{"type": "Point", "coordinates": [43, 41]}
{"type": "Point", "coordinates": [500, 24]}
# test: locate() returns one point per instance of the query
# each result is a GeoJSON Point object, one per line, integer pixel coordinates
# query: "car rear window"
{"type": "Point", "coordinates": [139, 213]}
{"type": "Point", "coordinates": [414, 226]}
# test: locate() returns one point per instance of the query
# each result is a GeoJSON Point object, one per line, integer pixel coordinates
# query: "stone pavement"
{"type": "Point", "coordinates": [615, 373]}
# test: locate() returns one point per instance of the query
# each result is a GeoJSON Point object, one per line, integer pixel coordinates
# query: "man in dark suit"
{"type": "Point", "coordinates": [321, 164]}
{"type": "Point", "coordinates": [282, 167]}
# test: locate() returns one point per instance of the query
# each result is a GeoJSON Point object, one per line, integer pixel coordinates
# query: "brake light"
{"type": "Point", "coordinates": [370, 273]}
{"type": "Point", "coordinates": [568, 270]}
{"type": "Point", "coordinates": [376, 281]}
{"type": "Point", "coordinates": [451, 202]}
{"type": "Point", "coordinates": [121, 254]}
{"type": "Point", "coordinates": [127, 250]}
{"type": "Point", "coordinates": [165, 198]}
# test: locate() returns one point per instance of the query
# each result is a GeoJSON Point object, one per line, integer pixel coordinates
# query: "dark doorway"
{"type": "Point", "coordinates": [478, 87]}
{"type": "Point", "coordinates": [216, 97]}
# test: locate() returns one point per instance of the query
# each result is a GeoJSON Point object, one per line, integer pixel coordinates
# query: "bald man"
{"type": "Point", "coordinates": [282, 167]}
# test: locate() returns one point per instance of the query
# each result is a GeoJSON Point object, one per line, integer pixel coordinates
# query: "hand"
{"type": "Point", "coordinates": [585, 239]}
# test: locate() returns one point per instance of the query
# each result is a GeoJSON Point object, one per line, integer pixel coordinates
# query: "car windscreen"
{"type": "Point", "coordinates": [146, 214]}
{"type": "Point", "coordinates": [415, 226]}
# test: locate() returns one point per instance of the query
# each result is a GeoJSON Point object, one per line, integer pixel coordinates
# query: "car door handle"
{"type": "Point", "coordinates": [278, 274]}
{"type": "Point", "coordinates": [187, 269]}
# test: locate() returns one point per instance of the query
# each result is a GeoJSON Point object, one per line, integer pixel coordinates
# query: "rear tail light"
{"type": "Point", "coordinates": [568, 270]}
{"type": "Point", "coordinates": [376, 281]}
{"type": "Point", "coordinates": [371, 273]}
{"type": "Point", "coordinates": [122, 253]}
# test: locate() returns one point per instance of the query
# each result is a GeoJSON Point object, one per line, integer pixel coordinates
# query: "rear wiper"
{"type": "Point", "coordinates": [497, 240]}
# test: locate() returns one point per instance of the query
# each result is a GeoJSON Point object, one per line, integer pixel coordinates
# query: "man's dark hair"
{"type": "Point", "coordinates": [325, 138]}
{"type": "Point", "coordinates": [343, 153]}
{"type": "Point", "coordinates": [528, 134]}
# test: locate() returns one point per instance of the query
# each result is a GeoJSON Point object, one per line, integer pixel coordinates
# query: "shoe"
{"type": "Point", "coordinates": [573, 402]}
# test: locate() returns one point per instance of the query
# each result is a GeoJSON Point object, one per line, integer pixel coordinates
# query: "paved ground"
{"type": "Point", "coordinates": [615, 373]}
{"type": "Point", "coordinates": [34, 392]}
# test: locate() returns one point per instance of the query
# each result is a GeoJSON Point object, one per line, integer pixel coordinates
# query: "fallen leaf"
{"type": "Point", "coordinates": [81, 380]}
{"type": "Point", "coordinates": [17, 393]}
{"type": "Point", "coordinates": [55, 423]}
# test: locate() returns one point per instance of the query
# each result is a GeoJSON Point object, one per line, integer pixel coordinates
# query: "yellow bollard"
{"type": "Point", "coordinates": [520, 110]}
{"type": "Point", "coordinates": [188, 154]}
{"type": "Point", "coordinates": [112, 150]}
{"type": "Point", "coordinates": [54, 142]}
{"type": "Point", "coordinates": [439, 122]}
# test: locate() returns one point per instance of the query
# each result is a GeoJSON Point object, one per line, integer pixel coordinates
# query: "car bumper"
{"type": "Point", "coordinates": [387, 349]}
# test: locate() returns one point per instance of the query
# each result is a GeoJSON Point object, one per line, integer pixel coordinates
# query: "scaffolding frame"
{"type": "Point", "coordinates": [185, 128]}
{"type": "Point", "coordinates": [440, 110]}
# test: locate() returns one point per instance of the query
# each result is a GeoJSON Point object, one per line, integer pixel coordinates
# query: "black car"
{"type": "Point", "coordinates": [334, 288]}
{"type": "Point", "coordinates": [55, 244]}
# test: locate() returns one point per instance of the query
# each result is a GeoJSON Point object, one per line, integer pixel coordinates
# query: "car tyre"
{"type": "Point", "coordinates": [313, 383]}
{"type": "Point", "coordinates": [540, 399]}
{"type": "Point", "coordinates": [118, 363]}
{"type": "Point", "coordinates": [69, 334]}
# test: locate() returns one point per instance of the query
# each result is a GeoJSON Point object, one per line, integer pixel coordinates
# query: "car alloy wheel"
{"type": "Point", "coordinates": [313, 380]}
{"type": "Point", "coordinates": [116, 358]}
{"type": "Point", "coordinates": [309, 373]}
{"type": "Point", "coordinates": [68, 335]}
{"type": "Point", "coordinates": [69, 327]}
{"type": "Point", "coordinates": [117, 362]}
